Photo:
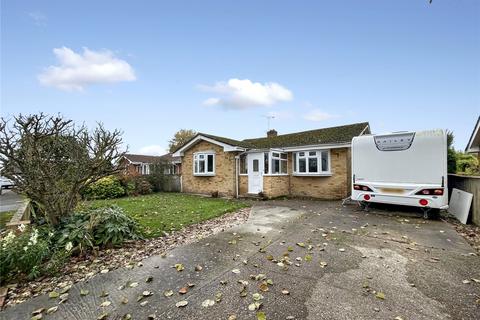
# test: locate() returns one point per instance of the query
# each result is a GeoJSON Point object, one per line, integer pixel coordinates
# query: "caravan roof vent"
{"type": "Point", "coordinates": [394, 142]}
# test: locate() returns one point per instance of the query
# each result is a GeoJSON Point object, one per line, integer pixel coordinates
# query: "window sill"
{"type": "Point", "coordinates": [276, 175]}
{"type": "Point", "coordinates": [326, 174]}
{"type": "Point", "coordinates": [243, 174]}
{"type": "Point", "coordinates": [204, 174]}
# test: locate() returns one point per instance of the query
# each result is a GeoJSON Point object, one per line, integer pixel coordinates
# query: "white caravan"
{"type": "Point", "coordinates": [404, 168]}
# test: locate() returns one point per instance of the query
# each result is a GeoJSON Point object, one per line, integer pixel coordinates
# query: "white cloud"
{"type": "Point", "coordinates": [38, 18]}
{"type": "Point", "coordinates": [153, 150]}
{"type": "Point", "coordinates": [78, 70]}
{"type": "Point", "coordinates": [242, 94]}
{"type": "Point", "coordinates": [319, 115]}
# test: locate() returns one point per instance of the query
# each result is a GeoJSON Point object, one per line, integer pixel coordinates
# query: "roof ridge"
{"type": "Point", "coordinates": [307, 131]}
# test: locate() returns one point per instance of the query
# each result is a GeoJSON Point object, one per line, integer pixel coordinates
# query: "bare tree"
{"type": "Point", "coordinates": [51, 160]}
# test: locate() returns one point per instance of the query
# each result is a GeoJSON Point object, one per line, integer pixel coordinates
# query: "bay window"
{"type": "Point", "coordinates": [204, 163]}
{"type": "Point", "coordinates": [311, 162]}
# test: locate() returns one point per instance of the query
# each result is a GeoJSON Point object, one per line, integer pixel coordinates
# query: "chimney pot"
{"type": "Point", "coordinates": [272, 133]}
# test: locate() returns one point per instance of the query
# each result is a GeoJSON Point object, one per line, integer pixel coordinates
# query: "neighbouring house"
{"type": "Point", "coordinates": [474, 142]}
{"type": "Point", "coordinates": [139, 164]}
{"type": "Point", "coordinates": [315, 163]}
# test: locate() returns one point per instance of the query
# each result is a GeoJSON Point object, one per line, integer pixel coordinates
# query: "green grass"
{"type": "Point", "coordinates": [161, 212]}
{"type": "Point", "coordinates": [4, 218]}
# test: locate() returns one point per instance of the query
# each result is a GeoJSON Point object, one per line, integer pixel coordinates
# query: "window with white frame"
{"type": "Point", "coordinates": [204, 163]}
{"type": "Point", "coordinates": [279, 163]}
{"type": "Point", "coordinates": [311, 162]}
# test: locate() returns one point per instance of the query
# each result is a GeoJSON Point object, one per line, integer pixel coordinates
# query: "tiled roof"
{"type": "Point", "coordinates": [150, 159]}
{"type": "Point", "coordinates": [332, 135]}
{"type": "Point", "coordinates": [340, 134]}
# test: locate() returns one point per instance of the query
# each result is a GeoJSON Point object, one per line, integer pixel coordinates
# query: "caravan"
{"type": "Point", "coordinates": [404, 168]}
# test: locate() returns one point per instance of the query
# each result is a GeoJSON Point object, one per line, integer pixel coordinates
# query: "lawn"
{"type": "Point", "coordinates": [4, 218]}
{"type": "Point", "coordinates": [161, 212]}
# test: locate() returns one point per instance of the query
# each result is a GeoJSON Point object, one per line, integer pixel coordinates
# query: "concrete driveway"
{"type": "Point", "coordinates": [345, 264]}
{"type": "Point", "coordinates": [9, 201]}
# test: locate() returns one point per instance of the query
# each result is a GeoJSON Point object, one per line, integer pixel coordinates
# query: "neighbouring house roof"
{"type": "Point", "coordinates": [332, 135]}
{"type": "Point", "coordinates": [473, 145]}
{"type": "Point", "coordinates": [140, 158]}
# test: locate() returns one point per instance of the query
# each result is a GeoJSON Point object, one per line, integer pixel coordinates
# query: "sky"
{"type": "Point", "coordinates": [151, 68]}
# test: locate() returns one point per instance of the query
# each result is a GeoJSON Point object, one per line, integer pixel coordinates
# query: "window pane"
{"type": "Point", "coordinates": [210, 163]}
{"type": "Point", "coordinates": [196, 166]}
{"type": "Point", "coordinates": [284, 156]}
{"type": "Point", "coordinates": [312, 165]}
{"type": "Point", "coordinates": [201, 166]}
{"type": "Point", "coordinates": [312, 153]}
{"type": "Point", "coordinates": [255, 165]}
{"type": "Point", "coordinates": [201, 156]}
{"type": "Point", "coordinates": [283, 166]}
{"type": "Point", "coordinates": [294, 162]}
{"type": "Point", "coordinates": [302, 165]}
{"type": "Point", "coordinates": [325, 161]}
{"type": "Point", "coordinates": [275, 166]}
{"type": "Point", "coordinates": [275, 154]}
{"type": "Point", "coordinates": [243, 164]}
{"type": "Point", "coordinates": [265, 164]}
{"type": "Point", "coordinates": [301, 154]}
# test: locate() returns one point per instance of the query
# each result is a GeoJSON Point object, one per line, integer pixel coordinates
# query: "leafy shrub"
{"type": "Point", "coordinates": [105, 188]}
{"type": "Point", "coordinates": [105, 226]}
{"type": "Point", "coordinates": [142, 186]}
{"type": "Point", "coordinates": [24, 254]}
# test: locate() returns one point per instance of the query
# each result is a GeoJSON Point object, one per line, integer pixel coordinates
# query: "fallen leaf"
{"type": "Point", "coordinates": [179, 267]}
{"type": "Point", "coordinates": [257, 296]}
{"type": "Point", "coordinates": [290, 248]}
{"type": "Point", "coordinates": [52, 310]}
{"type": "Point", "coordinates": [181, 304]}
{"type": "Point", "coordinates": [207, 303]}
{"type": "Point", "coordinates": [143, 303]}
{"type": "Point", "coordinates": [285, 292]}
{"type": "Point", "coordinates": [105, 303]}
{"type": "Point", "coordinates": [236, 271]}
{"type": "Point", "coordinates": [308, 258]}
{"type": "Point", "coordinates": [261, 316]}
{"type": "Point", "coordinates": [301, 244]}
{"type": "Point", "coordinates": [84, 292]}
{"type": "Point", "coordinates": [103, 316]}
{"type": "Point", "coordinates": [127, 316]}
{"type": "Point", "coordinates": [149, 279]}
{"type": "Point", "coordinates": [37, 317]}
{"type": "Point", "coordinates": [466, 281]}
{"type": "Point", "coordinates": [341, 250]}
{"type": "Point", "coordinates": [232, 317]}
{"type": "Point", "coordinates": [183, 290]}
{"type": "Point", "coordinates": [34, 312]}
{"type": "Point", "coordinates": [263, 286]}
{"type": "Point", "coordinates": [168, 293]}
{"type": "Point", "coordinates": [323, 264]}
{"type": "Point", "coordinates": [124, 301]}
{"type": "Point", "coordinates": [218, 297]}
{"type": "Point", "coordinates": [133, 284]}
{"type": "Point", "coordinates": [53, 295]}
{"type": "Point", "coordinates": [104, 294]}
{"type": "Point", "coordinates": [254, 306]}
{"type": "Point", "coordinates": [198, 268]}
{"type": "Point", "coordinates": [147, 293]}
{"type": "Point", "coordinates": [380, 295]}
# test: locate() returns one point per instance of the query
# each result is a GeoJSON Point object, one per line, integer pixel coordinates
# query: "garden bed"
{"type": "Point", "coordinates": [201, 224]}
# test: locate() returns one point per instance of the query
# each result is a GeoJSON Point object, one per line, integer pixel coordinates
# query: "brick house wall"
{"type": "Point", "coordinates": [224, 179]}
{"type": "Point", "coordinates": [336, 186]}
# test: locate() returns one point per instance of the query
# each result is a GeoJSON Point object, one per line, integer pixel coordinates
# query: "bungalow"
{"type": "Point", "coordinates": [139, 164]}
{"type": "Point", "coordinates": [313, 163]}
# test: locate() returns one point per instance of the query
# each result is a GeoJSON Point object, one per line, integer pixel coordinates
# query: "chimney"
{"type": "Point", "coordinates": [272, 133]}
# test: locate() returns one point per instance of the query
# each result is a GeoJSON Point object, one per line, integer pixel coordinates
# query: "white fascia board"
{"type": "Point", "coordinates": [226, 147]}
{"type": "Point", "coordinates": [470, 147]}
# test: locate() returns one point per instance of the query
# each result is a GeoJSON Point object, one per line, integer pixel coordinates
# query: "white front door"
{"type": "Point", "coordinates": [255, 172]}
